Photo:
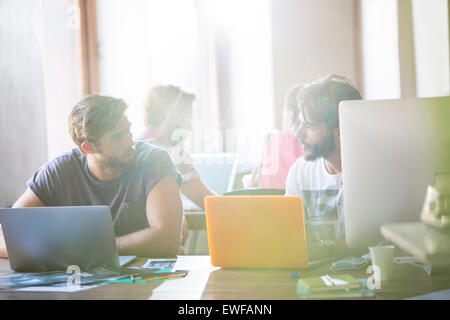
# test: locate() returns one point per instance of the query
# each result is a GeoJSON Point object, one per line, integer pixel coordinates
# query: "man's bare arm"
{"type": "Point", "coordinates": [164, 214]}
{"type": "Point", "coordinates": [196, 191]}
{"type": "Point", "coordinates": [27, 199]}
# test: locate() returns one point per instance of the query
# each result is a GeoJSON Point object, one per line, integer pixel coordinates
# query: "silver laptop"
{"type": "Point", "coordinates": [52, 238]}
{"type": "Point", "coordinates": [217, 170]}
{"type": "Point", "coordinates": [391, 150]}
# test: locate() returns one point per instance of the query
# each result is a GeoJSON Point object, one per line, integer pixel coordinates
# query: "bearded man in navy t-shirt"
{"type": "Point", "coordinates": [138, 181]}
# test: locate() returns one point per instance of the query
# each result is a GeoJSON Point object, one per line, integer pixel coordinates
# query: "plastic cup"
{"type": "Point", "coordinates": [382, 260]}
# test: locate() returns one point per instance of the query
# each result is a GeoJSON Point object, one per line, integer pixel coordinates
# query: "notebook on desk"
{"type": "Point", "coordinates": [256, 232]}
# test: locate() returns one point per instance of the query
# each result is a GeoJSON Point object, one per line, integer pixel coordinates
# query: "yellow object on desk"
{"type": "Point", "coordinates": [162, 276]}
{"type": "Point", "coordinates": [151, 278]}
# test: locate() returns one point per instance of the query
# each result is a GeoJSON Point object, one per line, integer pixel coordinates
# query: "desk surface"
{"type": "Point", "coordinates": [207, 282]}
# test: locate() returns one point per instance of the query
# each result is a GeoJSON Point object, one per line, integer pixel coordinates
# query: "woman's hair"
{"type": "Point", "coordinates": [165, 101]}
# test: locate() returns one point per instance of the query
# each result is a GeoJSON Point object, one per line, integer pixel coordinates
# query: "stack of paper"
{"type": "Point", "coordinates": [336, 287]}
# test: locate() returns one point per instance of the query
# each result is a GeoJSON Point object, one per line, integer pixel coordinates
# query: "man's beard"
{"type": "Point", "coordinates": [321, 149]}
{"type": "Point", "coordinates": [118, 164]}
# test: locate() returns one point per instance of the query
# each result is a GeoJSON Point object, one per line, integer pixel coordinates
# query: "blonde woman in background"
{"type": "Point", "coordinates": [167, 112]}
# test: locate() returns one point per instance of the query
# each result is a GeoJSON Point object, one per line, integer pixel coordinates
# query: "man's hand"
{"type": "Point", "coordinates": [164, 214]}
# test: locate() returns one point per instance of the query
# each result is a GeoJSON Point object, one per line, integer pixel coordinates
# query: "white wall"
{"type": "Point", "coordinates": [41, 81]}
{"type": "Point", "coordinates": [23, 136]}
{"type": "Point", "coordinates": [245, 71]}
{"type": "Point", "coordinates": [380, 49]}
{"type": "Point", "coordinates": [431, 47]}
{"type": "Point", "coordinates": [311, 39]}
{"type": "Point", "coordinates": [124, 54]}
{"type": "Point", "coordinates": [62, 70]}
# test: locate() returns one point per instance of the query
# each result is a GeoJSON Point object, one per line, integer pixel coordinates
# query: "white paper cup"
{"type": "Point", "coordinates": [382, 260]}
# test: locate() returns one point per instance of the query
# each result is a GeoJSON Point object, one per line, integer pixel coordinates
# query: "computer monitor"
{"type": "Point", "coordinates": [391, 150]}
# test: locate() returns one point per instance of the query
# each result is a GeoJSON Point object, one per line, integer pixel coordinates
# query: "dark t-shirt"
{"type": "Point", "coordinates": [66, 181]}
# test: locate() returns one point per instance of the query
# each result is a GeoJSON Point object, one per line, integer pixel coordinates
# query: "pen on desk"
{"type": "Point", "coordinates": [150, 277]}
{"type": "Point", "coordinates": [164, 277]}
{"type": "Point", "coordinates": [141, 280]}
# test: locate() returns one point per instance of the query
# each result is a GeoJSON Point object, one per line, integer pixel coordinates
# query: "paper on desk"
{"type": "Point", "coordinates": [438, 295]}
{"type": "Point", "coordinates": [194, 263]}
{"type": "Point", "coordinates": [190, 287]}
{"type": "Point", "coordinates": [188, 263]}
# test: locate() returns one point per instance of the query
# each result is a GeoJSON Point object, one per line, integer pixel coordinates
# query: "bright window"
{"type": "Point", "coordinates": [219, 49]}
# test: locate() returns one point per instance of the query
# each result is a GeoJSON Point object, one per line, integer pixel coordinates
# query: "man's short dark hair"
{"type": "Point", "coordinates": [319, 100]}
{"type": "Point", "coordinates": [93, 116]}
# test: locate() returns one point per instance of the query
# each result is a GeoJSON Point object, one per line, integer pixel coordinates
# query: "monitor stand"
{"type": "Point", "coordinates": [427, 244]}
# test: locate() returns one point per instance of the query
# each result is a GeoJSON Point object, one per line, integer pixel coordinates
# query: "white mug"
{"type": "Point", "coordinates": [382, 260]}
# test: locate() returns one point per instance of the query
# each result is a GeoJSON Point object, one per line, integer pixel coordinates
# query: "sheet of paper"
{"type": "Point", "coordinates": [192, 263]}
{"type": "Point", "coordinates": [189, 263]}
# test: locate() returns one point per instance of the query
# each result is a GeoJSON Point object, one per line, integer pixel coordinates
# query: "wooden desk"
{"type": "Point", "coordinates": [206, 282]}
